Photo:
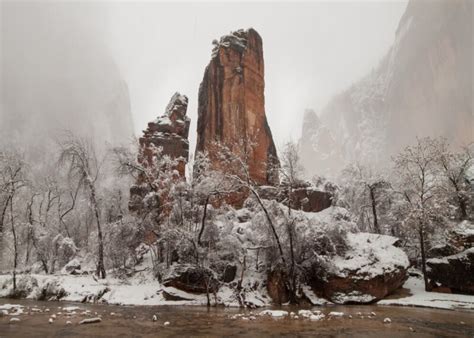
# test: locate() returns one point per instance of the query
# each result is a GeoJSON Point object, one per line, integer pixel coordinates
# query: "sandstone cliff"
{"type": "Point", "coordinates": [422, 87]}
{"type": "Point", "coordinates": [231, 109]}
{"type": "Point", "coordinates": [169, 133]}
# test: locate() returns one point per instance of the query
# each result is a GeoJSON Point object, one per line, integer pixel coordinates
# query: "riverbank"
{"type": "Point", "coordinates": [143, 289]}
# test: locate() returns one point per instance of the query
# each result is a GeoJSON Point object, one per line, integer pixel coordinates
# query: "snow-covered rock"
{"type": "Point", "coordinates": [455, 272]}
{"type": "Point", "coordinates": [190, 278]}
{"type": "Point", "coordinates": [91, 320]}
{"type": "Point", "coordinates": [72, 267]}
{"type": "Point", "coordinates": [274, 313]}
{"type": "Point", "coordinates": [371, 268]}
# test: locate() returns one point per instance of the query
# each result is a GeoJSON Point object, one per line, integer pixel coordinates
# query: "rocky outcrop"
{"type": "Point", "coordinates": [304, 197]}
{"type": "Point", "coordinates": [169, 133]}
{"type": "Point", "coordinates": [191, 278]}
{"type": "Point", "coordinates": [455, 272]}
{"type": "Point", "coordinates": [422, 87]}
{"type": "Point", "coordinates": [372, 268]}
{"type": "Point", "coordinates": [231, 109]}
{"type": "Point", "coordinates": [451, 268]}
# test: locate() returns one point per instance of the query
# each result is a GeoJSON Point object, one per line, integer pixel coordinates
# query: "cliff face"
{"type": "Point", "coordinates": [422, 87]}
{"type": "Point", "coordinates": [231, 108]}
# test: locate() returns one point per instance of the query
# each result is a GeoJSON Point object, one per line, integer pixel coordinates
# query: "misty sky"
{"type": "Point", "coordinates": [311, 51]}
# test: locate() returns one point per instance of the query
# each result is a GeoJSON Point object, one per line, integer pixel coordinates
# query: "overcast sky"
{"type": "Point", "coordinates": [311, 50]}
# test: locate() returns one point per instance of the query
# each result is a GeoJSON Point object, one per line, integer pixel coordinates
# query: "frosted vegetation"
{"type": "Point", "coordinates": [67, 216]}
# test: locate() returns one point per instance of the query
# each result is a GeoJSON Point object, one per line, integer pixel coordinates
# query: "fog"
{"type": "Point", "coordinates": [57, 56]}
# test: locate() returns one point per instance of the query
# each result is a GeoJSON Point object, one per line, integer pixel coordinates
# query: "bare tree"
{"type": "Point", "coordinates": [291, 171]}
{"type": "Point", "coordinates": [420, 185]}
{"type": "Point", "coordinates": [365, 191]}
{"type": "Point", "coordinates": [84, 167]}
{"type": "Point", "coordinates": [454, 167]}
{"type": "Point", "coordinates": [13, 179]}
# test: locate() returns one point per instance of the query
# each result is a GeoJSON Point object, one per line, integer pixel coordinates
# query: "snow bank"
{"type": "Point", "coordinates": [419, 297]}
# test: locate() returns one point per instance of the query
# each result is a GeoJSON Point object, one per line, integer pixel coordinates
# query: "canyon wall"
{"type": "Point", "coordinates": [422, 87]}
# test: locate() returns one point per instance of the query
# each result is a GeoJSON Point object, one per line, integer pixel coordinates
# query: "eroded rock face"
{"type": "Point", "coordinates": [170, 133]}
{"type": "Point", "coordinates": [372, 268]}
{"type": "Point", "coordinates": [455, 272]}
{"type": "Point", "coordinates": [231, 107]}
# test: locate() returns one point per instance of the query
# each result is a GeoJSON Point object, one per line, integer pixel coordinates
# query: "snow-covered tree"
{"type": "Point", "coordinates": [454, 167]}
{"type": "Point", "coordinates": [420, 184]}
{"type": "Point", "coordinates": [367, 193]}
{"type": "Point", "coordinates": [13, 180]}
{"type": "Point", "coordinates": [84, 166]}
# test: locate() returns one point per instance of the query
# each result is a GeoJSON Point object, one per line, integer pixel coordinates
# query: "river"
{"type": "Point", "coordinates": [185, 321]}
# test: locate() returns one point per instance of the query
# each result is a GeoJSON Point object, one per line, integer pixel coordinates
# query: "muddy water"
{"type": "Point", "coordinates": [122, 321]}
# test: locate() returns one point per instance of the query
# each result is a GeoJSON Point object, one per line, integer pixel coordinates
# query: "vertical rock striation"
{"type": "Point", "coordinates": [231, 109]}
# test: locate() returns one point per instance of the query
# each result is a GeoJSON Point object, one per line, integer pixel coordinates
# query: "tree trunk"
{"type": "Point", "coordinates": [203, 220]}
{"type": "Point", "coordinates": [292, 267]}
{"type": "Point", "coordinates": [423, 259]}
{"type": "Point", "coordinates": [267, 215]}
{"type": "Point", "coordinates": [462, 207]}
{"type": "Point", "coordinates": [100, 264]}
{"type": "Point", "coordinates": [15, 245]}
{"type": "Point", "coordinates": [2, 218]}
{"type": "Point", "coordinates": [374, 209]}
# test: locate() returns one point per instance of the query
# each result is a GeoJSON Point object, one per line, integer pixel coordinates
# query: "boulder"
{"type": "Point", "coordinates": [462, 236]}
{"type": "Point", "coordinates": [455, 272]}
{"type": "Point", "coordinates": [310, 200]}
{"type": "Point", "coordinates": [371, 268]}
{"type": "Point", "coordinates": [73, 267]}
{"type": "Point", "coordinates": [191, 278]}
{"type": "Point", "coordinates": [441, 250]}
{"type": "Point", "coordinates": [231, 107]}
{"type": "Point", "coordinates": [304, 197]}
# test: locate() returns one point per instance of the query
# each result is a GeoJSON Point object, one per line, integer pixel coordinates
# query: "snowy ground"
{"type": "Point", "coordinates": [419, 297]}
{"type": "Point", "coordinates": [144, 290]}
